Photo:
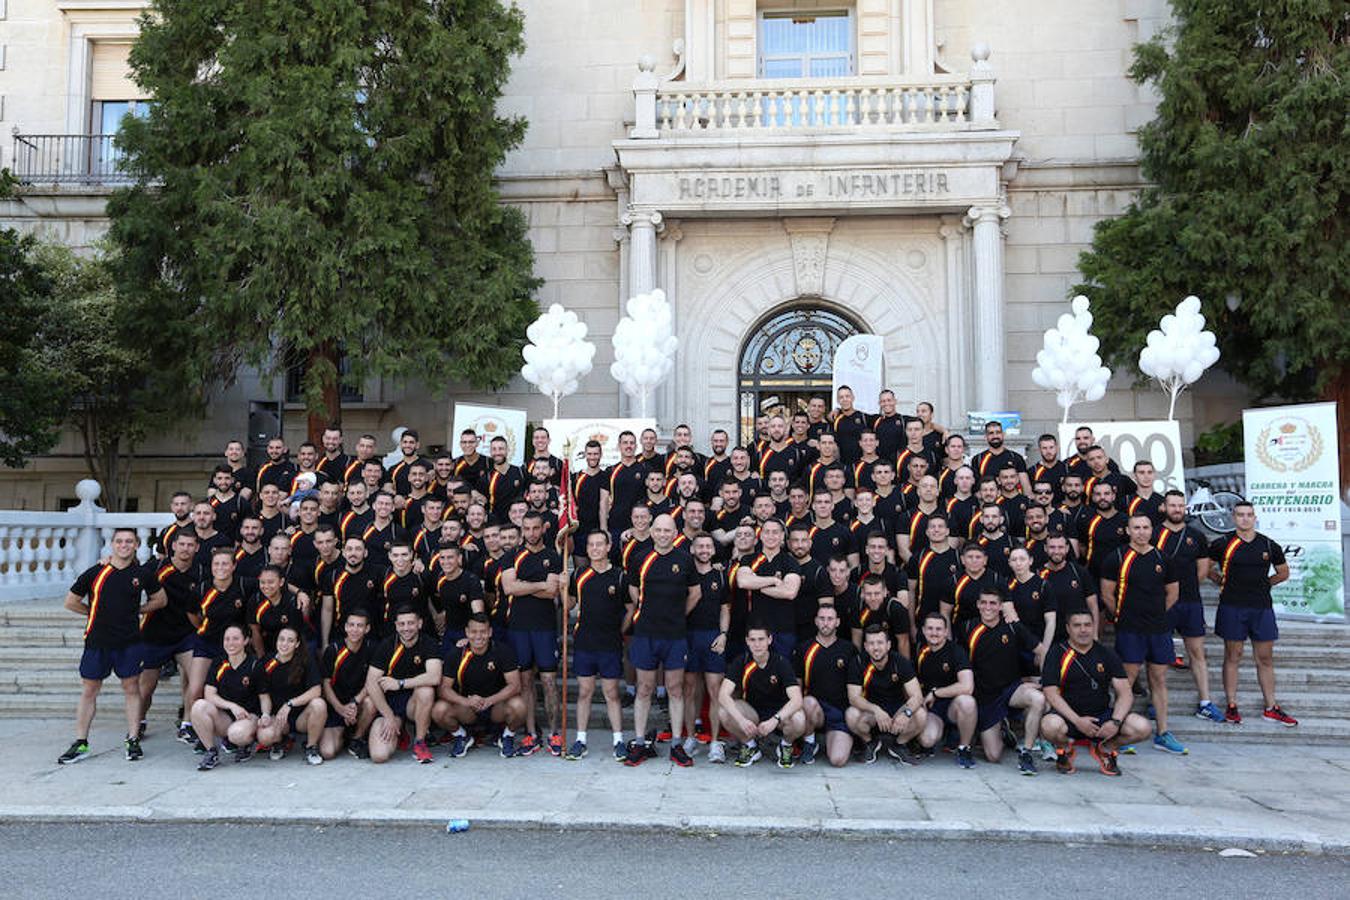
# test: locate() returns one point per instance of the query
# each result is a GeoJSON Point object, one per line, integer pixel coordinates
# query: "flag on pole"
{"type": "Point", "coordinates": [567, 508]}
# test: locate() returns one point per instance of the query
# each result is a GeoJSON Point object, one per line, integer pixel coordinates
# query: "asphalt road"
{"type": "Point", "coordinates": [139, 861]}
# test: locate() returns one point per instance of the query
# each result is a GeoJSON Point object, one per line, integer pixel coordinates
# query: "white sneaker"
{"type": "Point", "coordinates": [690, 745]}
{"type": "Point", "coordinates": [717, 752]}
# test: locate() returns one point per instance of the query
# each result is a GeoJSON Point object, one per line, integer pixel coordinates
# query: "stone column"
{"type": "Point", "coordinates": [990, 355]}
{"type": "Point", "coordinates": [643, 225]}
{"type": "Point", "coordinates": [957, 319]}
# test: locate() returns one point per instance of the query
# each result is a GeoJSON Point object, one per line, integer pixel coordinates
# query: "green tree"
{"type": "Point", "coordinates": [1248, 164]}
{"type": "Point", "coordinates": [315, 180]}
{"type": "Point", "coordinates": [30, 393]}
{"type": "Point", "coordinates": [115, 391]}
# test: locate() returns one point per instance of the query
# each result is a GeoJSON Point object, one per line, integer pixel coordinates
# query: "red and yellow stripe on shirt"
{"type": "Point", "coordinates": [808, 661]}
{"type": "Point", "coordinates": [463, 664]}
{"type": "Point", "coordinates": [207, 600]}
{"type": "Point", "coordinates": [263, 607]}
{"type": "Point", "coordinates": [1233, 544]}
{"type": "Point", "coordinates": [1092, 534]}
{"type": "Point", "coordinates": [750, 668]}
{"type": "Point", "coordinates": [493, 479]}
{"type": "Point", "coordinates": [394, 657]}
{"type": "Point", "coordinates": [271, 666]}
{"type": "Point", "coordinates": [974, 640]}
{"type": "Point", "coordinates": [222, 669]}
{"type": "Point", "coordinates": [389, 581]}
{"type": "Point", "coordinates": [338, 583]}
{"type": "Point", "coordinates": [582, 580]}
{"type": "Point", "coordinates": [96, 595]}
{"type": "Point", "coordinates": [343, 655]}
{"type": "Point", "coordinates": [1064, 663]}
{"type": "Point", "coordinates": [642, 581]}
{"type": "Point", "coordinates": [924, 562]}
{"type": "Point", "coordinates": [868, 674]}
{"type": "Point", "coordinates": [923, 654]}
{"type": "Point", "coordinates": [1126, 563]}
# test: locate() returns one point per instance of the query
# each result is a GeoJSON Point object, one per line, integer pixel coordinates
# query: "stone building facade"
{"type": "Point", "coordinates": [788, 171]}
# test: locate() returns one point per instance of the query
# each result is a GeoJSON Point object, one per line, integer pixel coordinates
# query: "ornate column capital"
{"type": "Point", "coordinates": [989, 213]}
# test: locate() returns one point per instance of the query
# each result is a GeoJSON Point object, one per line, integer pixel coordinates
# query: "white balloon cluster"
{"type": "Point", "coordinates": [644, 346]}
{"type": "Point", "coordinates": [1069, 364]}
{"type": "Point", "coordinates": [558, 353]}
{"type": "Point", "coordinates": [1179, 350]}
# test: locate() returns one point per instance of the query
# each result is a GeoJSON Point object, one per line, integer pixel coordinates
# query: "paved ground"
{"type": "Point", "coordinates": [198, 860]}
{"type": "Point", "coordinates": [1273, 798]}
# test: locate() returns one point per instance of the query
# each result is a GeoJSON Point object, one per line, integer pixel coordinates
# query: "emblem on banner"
{"type": "Point", "coordinates": [1290, 445]}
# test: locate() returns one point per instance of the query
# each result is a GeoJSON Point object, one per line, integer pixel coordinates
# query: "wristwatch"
{"type": "Point", "coordinates": [1117, 721]}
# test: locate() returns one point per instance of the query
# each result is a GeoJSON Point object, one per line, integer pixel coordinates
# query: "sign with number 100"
{"type": "Point", "coordinates": [1129, 442]}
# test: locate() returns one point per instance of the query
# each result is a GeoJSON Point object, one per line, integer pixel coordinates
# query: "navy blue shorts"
{"type": "Point", "coordinates": [834, 717]}
{"type": "Point", "coordinates": [1099, 718]}
{"type": "Point", "coordinates": [652, 653]}
{"type": "Point", "coordinates": [535, 649]}
{"type": "Point", "coordinates": [334, 719]}
{"type": "Point", "coordinates": [605, 663]}
{"type": "Point", "coordinates": [292, 718]}
{"type": "Point", "coordinates": [702, 657]}
{"type": "Point", "coordinates": [398, 701]}
{"type": "Point", "coordinates": [996, 710]}
{"type": "Point", "coordinates": [452, 637]}
{"type": "Point", "coordinates": [155, 655]}
{"type": "Point", "coordinates": [204, 648]}
{"type": "Point", "coordinates": [940, 707]}
{"type": "Point", "coordinates": [97, 663]}
{"type": "Point", "coordinates": [785, 642]}
{"type": "Point", "coordinates": [1187, 619]}
{"type": "Point", "coordinates": [1239, 623]}
{"type": "Point", "coordinates": [1135, 648]}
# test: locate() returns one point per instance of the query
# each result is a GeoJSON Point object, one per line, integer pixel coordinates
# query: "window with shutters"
{"type": "Point", "coordinates": [114, 95]}
{"type": "Point", "coordinates": [806, 44]}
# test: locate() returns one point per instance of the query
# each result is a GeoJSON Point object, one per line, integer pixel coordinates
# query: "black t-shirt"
{"type": "Point", "coordinates": [241, 684]}
{"type": "Point", "coordinates": [1125, 487]}
{"type": "Point", "coordinates": [966, 593]}
{"type": "Point", "coordinates": [114, 596]}
{"type": "Point", "coordinates": [280, 473]}
{"type": "Point", "coordinates": [787, 460]}
{"type": "Point", "coordinates": [891, 509]}
{"type": "Point", "coordinates": [662, 581]}
{"type": "Point", "coordinates": [528, 612]}
{"type": "Point", "coordinates": [1246, 569]}
{"type": "Point", "coordinates": [713, 595]}
{"type": "Point", "coordinates": [934, 575]}
{"type": "Point", "coordinates": [480, 674]}
{"type": "Point", "coordinates": [272, 615]}
{"type": "Point", "coordinates": [777, 615]}
{"type": "Point", "coordinates": [632, 549]}
{"type": "Point", "coordinates": [1051, 472]}
{"type": "Point", "coordinates": [379, 539]}
{"type": "Point", "coordinates": [1184, 548]}
{"type": "Point", "coordinates": [346, 670]}
{"type": "Point", "coordinates": [228, 513]}
{"type": "Point", "coordinates": [848, 427]}
{"type": "Point", "coordinates": [1141, 589]}
{"type": "Point", "coordinates": [221, 609]}
{"type": "Point", "coordinates": [1154, 506]}
{"type": "Point", "coordinates": [283, 681]}
{"type": "Point", "coordinates": [1066, 591]}
{"type": "Point", "coordinates": [398, 660]}
{"type": "Point", "coordinates": [454, 597]}
{"type": "Point", "coordinates": [501, 487]}
{"type": "Point", "coordinates": [206, 547]}
{"type": "Point", "coordinates": [170, 624]}
{"type": "Point", "coordinates": [988, 463]}
{"type": "Point", "coordinates": [603, 600]}
{"type": "Point", "coordinates": [891, 614]}
{"type": "Point", "coordinates": [939, 668]}
{"type": "Point", "coordinates": [405, 590]}
{"type": "Point", "coordinates": [626, 484]}
{"type": "Point", "coordinates": [815, 584]}
{"type": "Point", "coordinates": [834, 539]}
{"type": "Point", "coordinates": [1084, 679]}
{"type": "Point", "coordinates": [824, 670]}
{"type": "Point", "coordinates": [882, 684]}
{"type": "Point", "coordinates": [1098, 536]}
{"type": "Point", "coordinates": [353, 590]}
{"type": "Point", "coordinates": [586, 495]}
{"type": "Point", "coordinates": [998, 550]}
{"type": "Point", "coordinates": [1032, 599]}
{"type": "Point", "coordinates": [763, 687]}
{"type": "Point", "coordinates": [915, 527]}
{"type": "Point", "coordinates": [399, 473]}
{"type": "Point", "coordinates": [995, 655]}
{"type": "Point", "coordinates": [472, 473]}
{"type": "Point", "coordinates": [890, 432]}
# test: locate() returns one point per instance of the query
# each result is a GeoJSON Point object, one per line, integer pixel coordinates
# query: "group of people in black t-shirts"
{"type": "Point", "coordinates": [848, 583]}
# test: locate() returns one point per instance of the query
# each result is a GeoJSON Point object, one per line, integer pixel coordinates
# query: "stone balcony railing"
{"type": "Point", "coordinates": [675, 109]}
{"type": "Point", "coordinates": [41, 553]}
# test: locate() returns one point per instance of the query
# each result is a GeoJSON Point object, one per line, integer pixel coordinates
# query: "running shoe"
{"type": "Point", "coordinates": [460, 744]}
{"type": "Point", "coordinates": [1064, 760]}
{"type": "Point", "coordinates": [1138, 689]}
{"type": "Point", "coordinates": [74, 753]}
{"type": "Point", "coordinates": [1275, 714]}
{"type": "Point", "coordinates": [964, 758]}
{"type": "Point", "coordinates": [209, 761]}
{"type": "Point", "coordinates": [1106, 760]}
{"type": "Point", "coordinates": [555, 744]}
{"type": "Point", "coordinates": [277, 751]}
{"type": "Point", "coordinates": [1047, 750]}
{"type": "Point", "coordinates": [748, 756]}
{"type": "Point", "coordinates": [199, 748]}
{"type": "Point", "coordinates": [901, 754]}
{"type": "Point", "coordinates": [1180, 664]}
{"type": "Point", "coordinates": [1150, 712]}
{"type": "Point", "coordinates": [638, 753]}
{"type": "Point", "coordinates": [679, 757]}
{"type": "Point", "coordinates": [690, 745]}
{"type": "Point", "coordinates": [134, 751]}
{"type": "Point", "coordinates": [808, 756]}
{"type": "Point", "coordinates": [244, 753]}
{"type": "Point", "coordinates": [312, 756]}
{"type": "Point", "coordinates": [1231, 715]}
{"type": "Point", "coordinates": [1009, 737]}
{"type": "Point", "coordinates": [186, 734]}
{"type": "Point", "coordinates": [358, 749]}
{"type": "Point", "coordinates": [1208, 710]}
{"type": "Point", "coordinates": [870, 751]}
{"type": "Point", "coordinates": [703, 736]}
{"type": "Point", "coordinates": [576, 751]}
{"type": "Point", "coordinates": [140, 730]}
{"type": "Point", "coordinates": [421, 752]}
{"type": "Point", "coordinates": [529, 746]}
{"type": "Point", "coordinates": [717, 752]}
{"type": "Point", "coordinates": [508, 746]}
{"type": "Point", "coordinates": [785, 758]}
{"type": "Point", "coordinates": [663, 735]}
{"type": "Point", "coordinates": [1168, 743]}
{"type": "Point", "coordinates": [1026, 761]}
{"type": "Point", "coordinates": [1127, 749]}
{"type": "Point", "coordinates": [404, 739]}
{"type": "Point", "coordinates": [620, 752]}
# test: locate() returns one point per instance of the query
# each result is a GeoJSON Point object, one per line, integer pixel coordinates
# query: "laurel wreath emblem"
{"type": "Point", "coordinates": [1316, 446]}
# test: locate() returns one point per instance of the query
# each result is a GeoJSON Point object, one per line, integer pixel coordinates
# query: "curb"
{"type": "Point", "coordinates": [1124, 836]}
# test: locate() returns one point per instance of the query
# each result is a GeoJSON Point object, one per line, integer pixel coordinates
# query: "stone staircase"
{"type": "Point", "coordinates": [40, 646]}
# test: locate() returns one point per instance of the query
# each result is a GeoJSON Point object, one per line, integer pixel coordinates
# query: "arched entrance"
{"type": "Point", "coordinates": [788, 358]}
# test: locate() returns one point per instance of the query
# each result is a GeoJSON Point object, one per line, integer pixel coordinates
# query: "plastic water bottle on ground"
{"type": "Point", "coordinates": [455, 826]}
